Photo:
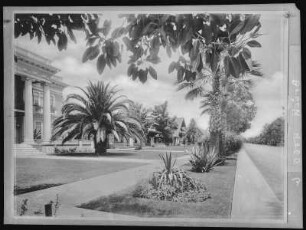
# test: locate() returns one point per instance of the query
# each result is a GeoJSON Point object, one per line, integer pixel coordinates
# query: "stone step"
{"type": "Point", "coordinates": [25, 149]}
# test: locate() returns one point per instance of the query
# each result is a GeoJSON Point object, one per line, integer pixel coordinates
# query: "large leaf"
{"type": "Point", "coordinates": [106, 27]}
{"type": "Point", "coordinates": [90, 53]}
{"type": "Point", "coordinates": [143, 75]}
{"type": "Point", "coordinates": [250, 22]}
{"type": "Point", "coordinates": [149, 28]}
{"type": "Point", "coordinates": [195, 63]}
{"type": "Point", "coordinates": [195, 50]}
{"type": "Point", "coordinates": [243, 63]}
{"type": "Point", "coordinates": [153, 59]}
{"type": "Point", "coordinates": [200, 65]}
{"type": "Point", "coordinates": [127, 43]}
{"type": "Point", "coordinates": [62, 41]}
{"type": "Point", "coordinates": [116, 48]}
{"type": "Point", "coordinates": [131, 69]}
{"type": "Point", "coordinates": [118, 32]}
{"type": "Point", "coordinates": [237, 28]}
{"type": "Point", "coordinates": [190, 76]}
{"type": "Point", "coordinates": [186, 47]}
{"type": "Point", "coordinates": [152, 72]}
{"type": "Point", "coordinates": [253, 43]}
{"type": "Point", "coordinates": [101, 63]}
{"type": "Point", "coordinates": [71, 35]}
{"type": "Point", "coordinates": [180, 74]}
{"type": "Point", "coordinates": [234, 67]}
{"type": "Point", "coordinates": [246, 53]}
{"type": "Point", "coordinates": [172, 66]}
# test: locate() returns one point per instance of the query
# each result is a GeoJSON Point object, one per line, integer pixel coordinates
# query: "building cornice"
{"type": "Point", "coordinates": [35, 59]}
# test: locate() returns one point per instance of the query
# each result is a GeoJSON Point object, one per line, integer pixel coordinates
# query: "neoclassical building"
{"type": "Point", "coordinates": [38, 97]}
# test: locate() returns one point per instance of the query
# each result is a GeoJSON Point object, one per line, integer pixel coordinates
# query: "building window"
{"type": "Point", "coordinates": [36, 98]}
{"type": "Point", "coordinates": [37, 131]}
{"type": "Point", "coordinates": [37, 102]}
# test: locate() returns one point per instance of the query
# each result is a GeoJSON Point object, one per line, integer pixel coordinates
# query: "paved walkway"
{"type": "Point", "coordinates": [253, 198]}
{"type": "Point", "coordinates": [73, 194]}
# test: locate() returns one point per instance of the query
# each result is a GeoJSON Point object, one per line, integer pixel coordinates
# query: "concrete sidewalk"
{"type": "Point", "coordinates": [73, 194]}
{"type": "Point", "coordinates": [253, 198]}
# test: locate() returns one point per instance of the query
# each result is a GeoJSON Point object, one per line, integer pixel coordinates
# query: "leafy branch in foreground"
{"type": "Point", "coordinates": [212, 40]}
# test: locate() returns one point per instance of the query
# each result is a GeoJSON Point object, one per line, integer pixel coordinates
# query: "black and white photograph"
{"type": "Point", "coordinates": [169, 116]}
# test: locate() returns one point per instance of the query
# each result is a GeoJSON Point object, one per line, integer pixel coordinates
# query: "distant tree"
{"type": "Point", "coordinates": [142, 114]}
{"type": "Point", "coordinates": [272, 134]}
{"type": "Point", "coordinates": [97, 114]}
{"type": "Point", "coordinates": [163, 123]}
{"type": "Point", "coordinates": [239, 107]}
{"type": "Point", "coordinates": [193, 133]}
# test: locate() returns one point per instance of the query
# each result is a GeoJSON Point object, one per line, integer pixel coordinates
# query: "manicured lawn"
{"type": "Point", "coordinates": [37, 173]}
{"type": "Point", "coordinates": [150, 153]}
{"type": "Point", "coordinates": [270, 161]}
{"type": "Point", "coordinates": [219, 183]}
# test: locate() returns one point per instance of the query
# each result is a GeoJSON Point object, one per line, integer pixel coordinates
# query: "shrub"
{"type": "Point", "coordinates": [233, 143]}
{"type": "Point", "coordinates": [172, 184]}
{"type": "Point", "coordinates": [64, 151]}
{"type": "Point", "coordinates": [204, 158]}
{"type": "Point", "coordinates": [272, 134]}
{"type": "Point", "coordinates": [170, 193]}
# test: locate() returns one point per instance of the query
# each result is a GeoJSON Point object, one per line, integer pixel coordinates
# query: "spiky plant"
{"type": "Point", "coordinates": [204, 158]}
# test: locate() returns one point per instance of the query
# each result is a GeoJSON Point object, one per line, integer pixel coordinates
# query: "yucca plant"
{"type": "Point", "coordinates": [172, 176]}
{"type": "Point", "coordinates": [172, 184]}
{"type": "Point", "coordinates": [169, 175]}
{"type": "Point", "coordinates": [204, 158]}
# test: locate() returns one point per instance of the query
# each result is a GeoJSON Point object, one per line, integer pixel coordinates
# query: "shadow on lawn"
{"type": "Point", "coordinates": [19, 191]}
{"type": "Point", "coordinates": [109, 154]}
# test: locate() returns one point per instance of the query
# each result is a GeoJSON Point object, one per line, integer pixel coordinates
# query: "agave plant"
{"type": "Point", "coordinates": [204, 158]}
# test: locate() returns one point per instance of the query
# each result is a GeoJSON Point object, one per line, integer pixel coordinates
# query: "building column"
{"type": "Point", "coordinates": [47, 114]}
{"type": "Point", "coordinates": [28, 110]}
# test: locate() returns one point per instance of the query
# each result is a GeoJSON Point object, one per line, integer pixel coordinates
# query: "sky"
{"type": "Point", "coordinates": [268, 91]}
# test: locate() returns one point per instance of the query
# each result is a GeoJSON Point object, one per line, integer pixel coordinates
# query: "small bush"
{"type": "Point", "coordinates": [204, 158]}
{"type": "Point", "coordinates": [170, 193]}
{"type": "Point", "coordinates": [64, 151]}
{"type": "Point", "coordinates": [233, 143]}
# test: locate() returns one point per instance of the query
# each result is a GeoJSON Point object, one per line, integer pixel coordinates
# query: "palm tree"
{"type": "Point", "coordinates": [142, 115]}
{"type": "Point", "coordinates": [97, 114]}
{"type": "Point", "coordinates": [215, 89]}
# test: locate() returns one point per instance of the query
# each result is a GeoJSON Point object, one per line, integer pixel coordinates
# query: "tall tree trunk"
{"type": "Point", "coordinates": [215, 123]}
{"type": "Point", "coordinates": [101, 146]}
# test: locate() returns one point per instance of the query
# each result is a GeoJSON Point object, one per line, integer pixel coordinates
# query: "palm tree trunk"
{"type": "Point", "coordinates": [101, 146]}
{"type": "Point", "coordinates": [216, 126]}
